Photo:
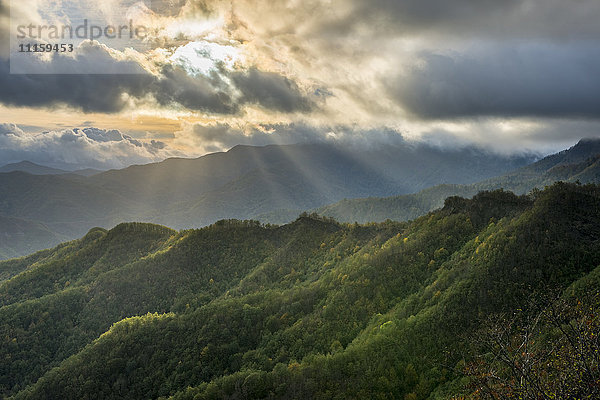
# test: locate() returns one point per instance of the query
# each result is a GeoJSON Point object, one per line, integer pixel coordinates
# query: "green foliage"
{"type": "Point", "coordinates": [312, 309]}
{"type": "Point", "coordinates": [549, 352]}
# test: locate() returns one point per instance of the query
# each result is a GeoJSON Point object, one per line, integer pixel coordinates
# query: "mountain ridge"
{"type": "Point", "coordinates": [578, 163]}
{"type": "Point", "coordinates": [242, 183]}
{"type": "Point", "coordinates": [243, 310]}
{"type": "Point", "coordinates": [37, 169]}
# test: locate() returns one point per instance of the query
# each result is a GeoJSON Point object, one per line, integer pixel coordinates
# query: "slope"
{"type": "Point", "coordinates": [242, 183]}
{"type": "Point", "coordinates": [20, 237]}
{"type": "Point", "coordinates": [31, 168]}
{"type": "Point", "coordinates": [579, 163]}
{"type": "Point", "coordinates": [313, 309]}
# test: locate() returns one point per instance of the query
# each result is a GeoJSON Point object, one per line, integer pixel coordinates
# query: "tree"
{"type": "Point", "coordinates": [553, 353]}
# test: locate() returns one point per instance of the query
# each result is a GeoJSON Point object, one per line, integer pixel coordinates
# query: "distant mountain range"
{"type": "Point", "coordinates": [244, 183]}
{"type": "Point", "coordinates": [18, 236]}
{"type": "Point", "coordinates": [42, 206]}
{"type": "Point", "coordinates": [580, 163]}
{"type": "Point", "coordinates": [36, 169]}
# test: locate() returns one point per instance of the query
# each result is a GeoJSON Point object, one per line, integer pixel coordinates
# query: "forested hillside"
{"type": "Point", "coordinates": [580, 163]}
{"type": "Point", "coordinates": [312, 309]}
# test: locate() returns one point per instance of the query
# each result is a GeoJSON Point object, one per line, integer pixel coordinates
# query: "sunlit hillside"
{"type": "Point", "coordinates": [313, 309]}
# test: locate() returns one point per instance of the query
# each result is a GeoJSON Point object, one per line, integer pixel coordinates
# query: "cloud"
{"type": "Point", "coordinates": [198, 92]}
{"type": "Point", "coordinates": [531, 80]}
{"type": "Point", "coordinates": [272, 91]}
{"type": "Point", "coordinates": [531, 19]}
{"type": "Point", "coordinates": [514, 136]}
{"type": "Point", "coordinates": [353, 70]}
{"type": "Point", "coordinates": [79, 148]}
{"type": "Point", "coordinates": [89, 93]}
{"type": "Point", "coordinates": [205, 138]}
{"type": "Point", "coordinates": [172, 87]}
{"type": "Point", "coordinates": [222, 136]}
{"type": "Point", "coordinates": [125, 81]}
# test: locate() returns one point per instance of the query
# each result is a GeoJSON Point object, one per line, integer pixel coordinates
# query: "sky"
{"type": "Point", "coordinates": [508, 75]}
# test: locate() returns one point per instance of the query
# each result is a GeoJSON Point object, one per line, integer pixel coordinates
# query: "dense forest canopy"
{"type": "Point", "coordinates": [311, 309]}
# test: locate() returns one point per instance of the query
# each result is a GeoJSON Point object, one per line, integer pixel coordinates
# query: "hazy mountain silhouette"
{"type": "Point", "coordinates": [244, 182]}
{"type": "Point", "coordinates": [580, 163]}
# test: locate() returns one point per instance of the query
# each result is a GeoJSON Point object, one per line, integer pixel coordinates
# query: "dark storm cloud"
{"type": "Point", "coordinates": [271, 91]}
{"type": "Point", "coordinates": [193, 92]}
{"type": "Point", "coordinates": [103, 93]}
{"type": "Point", "coordinates": [411, 14]}
{"type": "Point", "coordinates": [510, 18]}
{"type": "Point", "coordinates": [169, 8]}
{"type": "Point", "coordinates": [90, 93]}
{"type": "Point", "coordinates": [174, 86]}
{"type": "Point", "coordinates": [529, 80]}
